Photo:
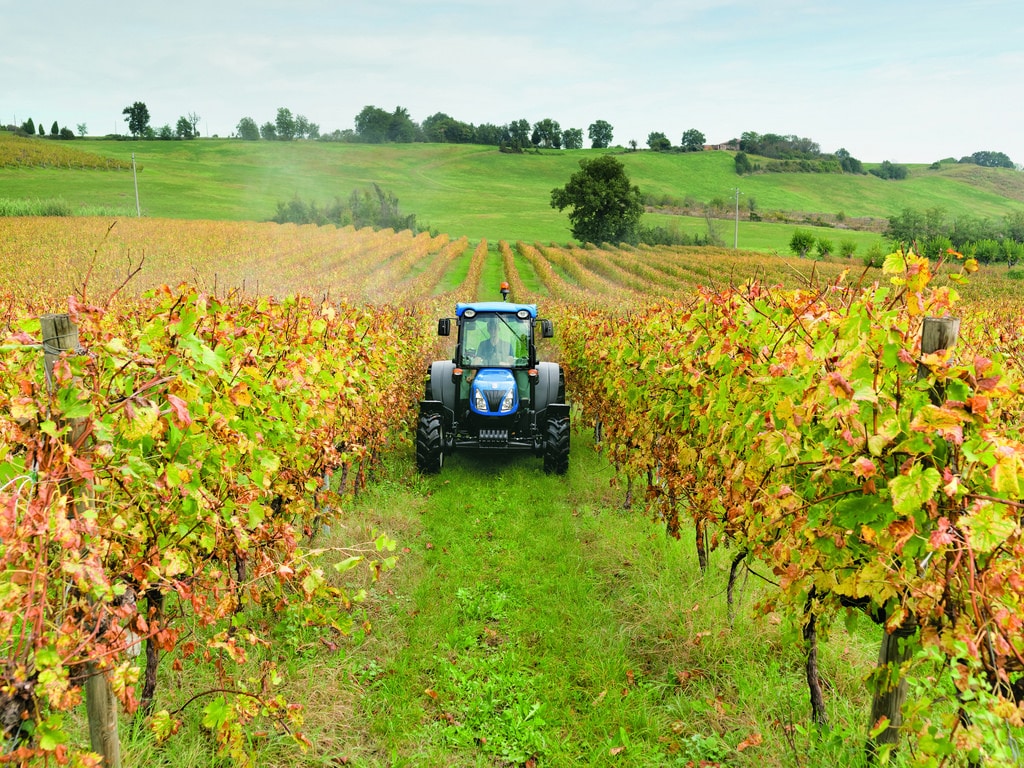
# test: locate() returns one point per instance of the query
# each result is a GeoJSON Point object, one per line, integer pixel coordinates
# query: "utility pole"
{"type": "Point", "coordinates": [135, 175]}
{"type": "Point", "coordinates": [736, 232]}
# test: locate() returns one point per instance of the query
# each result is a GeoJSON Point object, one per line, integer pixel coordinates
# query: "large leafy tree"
{"type": "Point", "coordinates": [247, 129]}
{"type": "Point", "coordinates": [519, 130]}
{"type": "Point", "coordinates": [401, 128]}
{"type": "Point", "coordinates": [372, 124]}
{"type": "Point", "coordinates": [692, 141]}
{"type": "Point", "coordinates": [572, 138]}
{"type": "Point", "coordinates": [184, 130]}
{"type": "Point", "coordinates": [600, 133]}
{"type": "Point", "coordinates": [989, 159]}
{"type": "Point", "coordinates": [547, 133]}
{"type": "Point", "coordinates": [658, 141]}
{"type": "Point", "coordinates": [137, 117]}
{"type": "Point", "coordinates": [605, 207]}
{"type": "Point", "coordinates": [284, 124]}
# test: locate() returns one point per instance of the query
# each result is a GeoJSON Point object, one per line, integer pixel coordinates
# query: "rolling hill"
{"type": "Point", "coordinates": [480, 192]}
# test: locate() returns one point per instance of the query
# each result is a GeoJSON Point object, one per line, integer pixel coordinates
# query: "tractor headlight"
{"type": "Point", "coordinates": [506, 403]}
{"type": "Point", "coordinates": [479, 401]}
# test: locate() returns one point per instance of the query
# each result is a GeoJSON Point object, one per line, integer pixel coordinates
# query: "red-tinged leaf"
{"type": "Point", "coordinates": [753, 740]}
{"type": "Point", "coordinates": [81, 468]}
{"type": "Point", "coordinates": [864, 468]}
{"type": "Point", "coordinates": [180, 408]}
{"type": "Point", "coordinates": [839, 386]}
{"type": "Point", "coordinates": [902, 531]}
{"type": "Point", "coordinates": [942, 535]}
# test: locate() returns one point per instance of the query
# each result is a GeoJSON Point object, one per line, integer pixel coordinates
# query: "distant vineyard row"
{"type": "Point", "coordinates": [20, 152]}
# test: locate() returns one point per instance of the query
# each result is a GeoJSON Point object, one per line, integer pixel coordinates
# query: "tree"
{"type": "Point", "coordinates": [658, 141]}
{"type": "Point", "coordinates": [547, 133]}
{"type": "Point", "coordinates": [401, 128]}
{"type": "Point", "coordinates": [193, 120]}
{"type": "Point", "coordinates": [83, 129]}
{"type": "Point", "coordinates": [54, 129]}
{"type": "Point", "coordinates": [692, 141]}
{"type": "Point", "coordinates": [491, 134]}
{"type": "Point", "coordinates": [137, 117]}
{"type": "Point", "coordinates": [165, 133]}
{"type": "Point", "coordinates": [268, 131]}
{"type": "Point", "coordinates": [890, 170]}
{"type": "Point", "coordinates": [284, 124]}
{"type": "Point", "coordinates": [743, 164]}
{"type": "Point", "coordinates": [848, 162]}
{"type": "Point", "coordinates": [572, 138]}
{"type": "Point", "coordinates": [183, 129]}
{"type": "Point", "coordinates": [600, 133]}
{"type": "Point", "coordinates": [40, 130]}
{"type": "Point", "coordinates": [605, 207]}
{"type": "Point", "coordinates": [519, 130]}
{"type": "Point", "coordinates": [247, 130]}
{"type": "Point", "coordinates": [29, 127]}
{"type": "Point", "coordinates": [372, 124]}
{"type": "Point", "coordinates": [989, 160]}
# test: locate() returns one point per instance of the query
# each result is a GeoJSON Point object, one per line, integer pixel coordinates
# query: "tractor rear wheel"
{"type": "Point", "coordinates": [430, 443]}
{"type": "Point", "coordinates": [556, 446]}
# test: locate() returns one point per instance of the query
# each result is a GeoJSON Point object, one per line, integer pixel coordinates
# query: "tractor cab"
{"type": "Point", "coordinates": [494, 392]}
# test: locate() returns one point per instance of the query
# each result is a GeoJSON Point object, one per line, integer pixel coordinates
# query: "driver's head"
{"type": "Point", "coordinates": [492, 325]}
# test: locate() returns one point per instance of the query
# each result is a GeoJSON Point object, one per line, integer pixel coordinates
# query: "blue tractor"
{"type": "Point", "coordinates": [494, 394]}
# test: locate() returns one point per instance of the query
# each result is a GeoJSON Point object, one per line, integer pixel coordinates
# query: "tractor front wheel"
{"type": "Point", "coordinates": [556, 446]}
{"type": "Point", "coordinates": [430, 443]}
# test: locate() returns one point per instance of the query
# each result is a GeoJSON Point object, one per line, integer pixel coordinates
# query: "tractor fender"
{"type": "Point", "coordinates": [442, 387]}
{"type": "Point", "coordinates": [550, 386]}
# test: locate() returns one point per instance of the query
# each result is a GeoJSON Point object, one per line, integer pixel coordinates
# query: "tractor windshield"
{"type": "Point", "coordinates": [495, 340]}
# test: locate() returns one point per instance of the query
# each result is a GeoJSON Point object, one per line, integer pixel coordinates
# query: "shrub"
{"type": "Point", "coordinates": [801, 242]}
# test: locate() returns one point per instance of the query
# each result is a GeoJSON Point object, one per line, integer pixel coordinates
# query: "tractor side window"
{"type": "Point", "coordinates": [474, 333]}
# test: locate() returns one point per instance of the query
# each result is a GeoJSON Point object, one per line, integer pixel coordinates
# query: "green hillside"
{"type": "Point", "coordinates": [480, 192]}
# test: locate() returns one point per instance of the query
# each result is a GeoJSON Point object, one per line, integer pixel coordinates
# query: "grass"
{"type": "Point", "coordinates": [532, 621]}
{"type": "Point", "coordinates": [477, 191]}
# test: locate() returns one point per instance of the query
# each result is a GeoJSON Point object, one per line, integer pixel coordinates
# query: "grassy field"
{"type": "Point", "coordinates": [481, 193]}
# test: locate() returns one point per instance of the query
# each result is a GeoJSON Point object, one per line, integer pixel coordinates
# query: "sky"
{"type": "Point", "coordinates": [908, 81]}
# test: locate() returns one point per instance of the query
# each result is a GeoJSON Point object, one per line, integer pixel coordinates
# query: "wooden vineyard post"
{"type": "Point", "coordinates": [61, 335]}
{"type": "Point", "coordinates": [937, 334]}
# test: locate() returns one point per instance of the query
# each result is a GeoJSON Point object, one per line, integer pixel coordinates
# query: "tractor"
{"type": "Point", "coordinates": [494, 394]}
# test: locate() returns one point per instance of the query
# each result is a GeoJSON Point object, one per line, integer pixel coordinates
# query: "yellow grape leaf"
{"type": "Point", "coordinates": [145, 423]}
{"type": "Point", "coordinates": [894, 264]}
{"type": "Point", "coordinates": [988, 525]}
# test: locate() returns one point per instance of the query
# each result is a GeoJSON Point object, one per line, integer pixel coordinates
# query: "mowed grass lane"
{"type": "Point", "coordinates": [533, 621]}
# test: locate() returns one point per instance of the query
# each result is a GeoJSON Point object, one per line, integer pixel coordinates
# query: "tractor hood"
{"type": "Point", "coordinates": [494, 392]}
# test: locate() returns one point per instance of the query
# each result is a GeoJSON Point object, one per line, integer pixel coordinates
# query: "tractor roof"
{"type": "Point", "coordinates": [482, 307]}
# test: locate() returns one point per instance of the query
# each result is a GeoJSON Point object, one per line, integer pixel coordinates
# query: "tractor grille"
{"type": "Point", "coordinates": [494, 398]}
{"type": "Point", "coordinates": [493, 438]}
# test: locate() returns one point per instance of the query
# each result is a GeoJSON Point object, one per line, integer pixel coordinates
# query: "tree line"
{"type": "Point", "coordinates": [786, 153]}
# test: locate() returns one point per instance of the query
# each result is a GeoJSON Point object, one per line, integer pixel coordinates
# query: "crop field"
{"type": "Point", "coordinates": [216, 466]}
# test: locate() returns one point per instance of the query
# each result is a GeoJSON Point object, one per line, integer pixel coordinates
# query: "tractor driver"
{"type": "Point", "coordinates": [495, 350]}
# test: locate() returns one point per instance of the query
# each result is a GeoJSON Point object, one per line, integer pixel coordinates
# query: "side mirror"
{"type": "Point", "coordinates": [547, 330]}
{"type": "Point", "coordinates": [444, 326]}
